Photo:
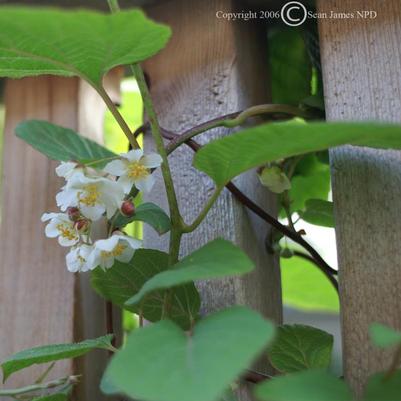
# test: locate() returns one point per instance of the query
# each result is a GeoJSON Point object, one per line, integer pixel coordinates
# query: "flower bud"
{"type": "Point", "coordinates": [274, 179]}
{"type": "Point", "coordinates": [81, 225]}
{"type": "Point", "coordinates": [73, 213]}
{"type": "Point", "coordinates": [128, 208]}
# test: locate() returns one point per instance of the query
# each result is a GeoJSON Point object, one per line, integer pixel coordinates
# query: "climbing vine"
{"type": "Point", "coordinates": [183, 356]}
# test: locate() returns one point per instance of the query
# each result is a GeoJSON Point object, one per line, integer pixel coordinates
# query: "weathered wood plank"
{"type": "Point", "coordinates": [362, 80]}
{"type": "Point", "coordinates": [36, 290]}
{"type": "Point", "coordinates": [40, 301]}
{"type": "Point", "coordinates": [212, 67]}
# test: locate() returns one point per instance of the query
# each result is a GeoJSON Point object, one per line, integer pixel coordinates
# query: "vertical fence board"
{"type": "Point", "coordinates": [40, 301]}
{"type": "Point", "coordinates": [212, 67]}
{"type": "Point", "coordinates": [362, 80]}
{"type": "Point", "coordinates": [36, 290]}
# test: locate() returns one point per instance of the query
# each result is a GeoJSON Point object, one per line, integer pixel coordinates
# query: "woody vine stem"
{"type": "Point", "coordinates": [232, 120]}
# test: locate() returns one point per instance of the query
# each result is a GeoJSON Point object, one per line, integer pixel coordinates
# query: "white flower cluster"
{"type": "Point", "coordinates": [86, 197]}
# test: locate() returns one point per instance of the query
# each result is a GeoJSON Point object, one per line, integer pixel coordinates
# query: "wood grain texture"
{"type": "Point", "coordinates": [36, 290]}
{"type": "Point", "coordinates": [362, 80]}
{"type": "Point", "coordinates": [40, 301]}
{"type": "Point", "coordinates": [212, 67]}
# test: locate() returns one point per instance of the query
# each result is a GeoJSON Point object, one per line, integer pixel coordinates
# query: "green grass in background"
{"type": "Point", "coordinates": [131, 110]}
{"type": "Point", "coordinates": [306, 287]}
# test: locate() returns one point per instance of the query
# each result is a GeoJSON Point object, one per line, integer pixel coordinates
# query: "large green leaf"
{"type": "Point", "coordinates": [49, 353]}
{"type": "Point", "coordinates": [217, 259]}
{"type": "Point", "coordinates": [63, 144]}
{"type": "Point", "coordinates": [150, 214]}
{"type": "Point", "coordinates": [384, 336]}
{"type": "Point", "coordinates": [162, 363]}
{"type": "Point", "coordinates": [318, 212]}
{"type": "Point", "coordinates": [35, 41]}
{"type": "Point", "coordinates": [309, 385]}
{"type": "Point", "coordinates": [299, 348]}
{"type": "Point", "coordinates": [225, 158]}
{"type": "Point", "coordinates": [290, 68]}
{"type": "Point", "coordinates": [123, 281]}
{"type": "Point", "coordinates": [382, 388]}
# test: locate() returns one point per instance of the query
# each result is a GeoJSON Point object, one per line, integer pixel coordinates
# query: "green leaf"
{"type": "Point", "coordinates": [150, 214]}
{"type": "Point", "coordinates": [225, 158]}
{"type": "Point", "coordinates": [383, 336]}
{"type": "Point", "coordinates": [318, 212]}
{"type": "Point", "coordinates": [229, 395]}
{"type": "Point", "coordinates": [36, 41]}
{"type": "Point", "coordinates": [311, 180]}
{"type": "Point", "coordinates": [382, 388]}
{"type": "Point", "coordinates": [299, 348]}
{"type": "Point", "coordinates": [309, 385]}
{"type": "Point", "coordinates": [290, 68]}
{"type": "Point", "coordinates": [162, 363]}
{"type": "Point", "coordinates": [123, 281]}
{"type": "Point", "coordinates": [63, 144]}
{"type": "Point", "coordinates": [217, 259]}
{"type": "Point", "coordinates": [49, 353]}
{"type": "Point", "coordinates": [305, 287]}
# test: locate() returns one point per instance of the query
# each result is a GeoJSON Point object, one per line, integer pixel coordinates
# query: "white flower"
{"type": "Point", "coordinates": [66, 169]}
{"type": "Point", "coordinates": [118, 246]}
{"type": "Point", "coordinates": [62, 227]}
{"type": "Point", "coordinates": [134, 168]}
{"type": "Point", "coordinates": [93, 196]}
{"type": "Point", "coordinates": [77, 258]}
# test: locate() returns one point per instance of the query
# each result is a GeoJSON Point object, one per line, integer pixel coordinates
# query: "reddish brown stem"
{"type": "Point", "coordinates": [296, 237]}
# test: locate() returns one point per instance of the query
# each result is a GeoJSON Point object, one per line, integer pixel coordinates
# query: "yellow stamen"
{"type": "Point", "coordinates": [90, 195]}
{"type": "Point", "coordinates": [117, 251]}
{"type": "Point", "coordinates": [136, 170]}
{"type": "Point", "coordinates": [66, 232]}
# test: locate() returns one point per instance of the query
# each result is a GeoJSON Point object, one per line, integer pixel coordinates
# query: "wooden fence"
{"type": "Point", "coordinates": [212, 67]}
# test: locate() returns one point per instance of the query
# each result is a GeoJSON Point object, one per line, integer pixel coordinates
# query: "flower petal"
{"type": "Point", "coordinates": [48, 216]}
{"type": "Point", "coordinates": [108, 244]}
{"type": "Point", "coordinates": [145, 184]}
{"type": "Point", "coordinates": [132, 242]}
{"type": "Point", "coordinates": [126, 183]}
{"type": "Point", "coordinates": [126, 255]}
{"type": "Point", "coordinates": [133, 155]}
{"type": "Point", "coordinates": [111, 210]}
{"type": "Point", "coordinates": [63, 241]}
{"type": "Point", "coordinates": [66, 198]}
{"type": "Point", "coordinates": [93, 259]}
{"type": "Point", "coordinates": [107, 262]}
{"type": "Point", "coordinates": [116, 167]}
{"type": "Point", "coordinates": [72, 261]}
{"type": "Point", "coordinates": [51, 230]}
{"type": "Point", "coordinates": [112, 192]}
{"type": "Point", "coordinates": [93, 213]}
{"type": "Point", "coordinates": [152, 160]}
{"type": "Point", "coordinates": [65, 169]}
